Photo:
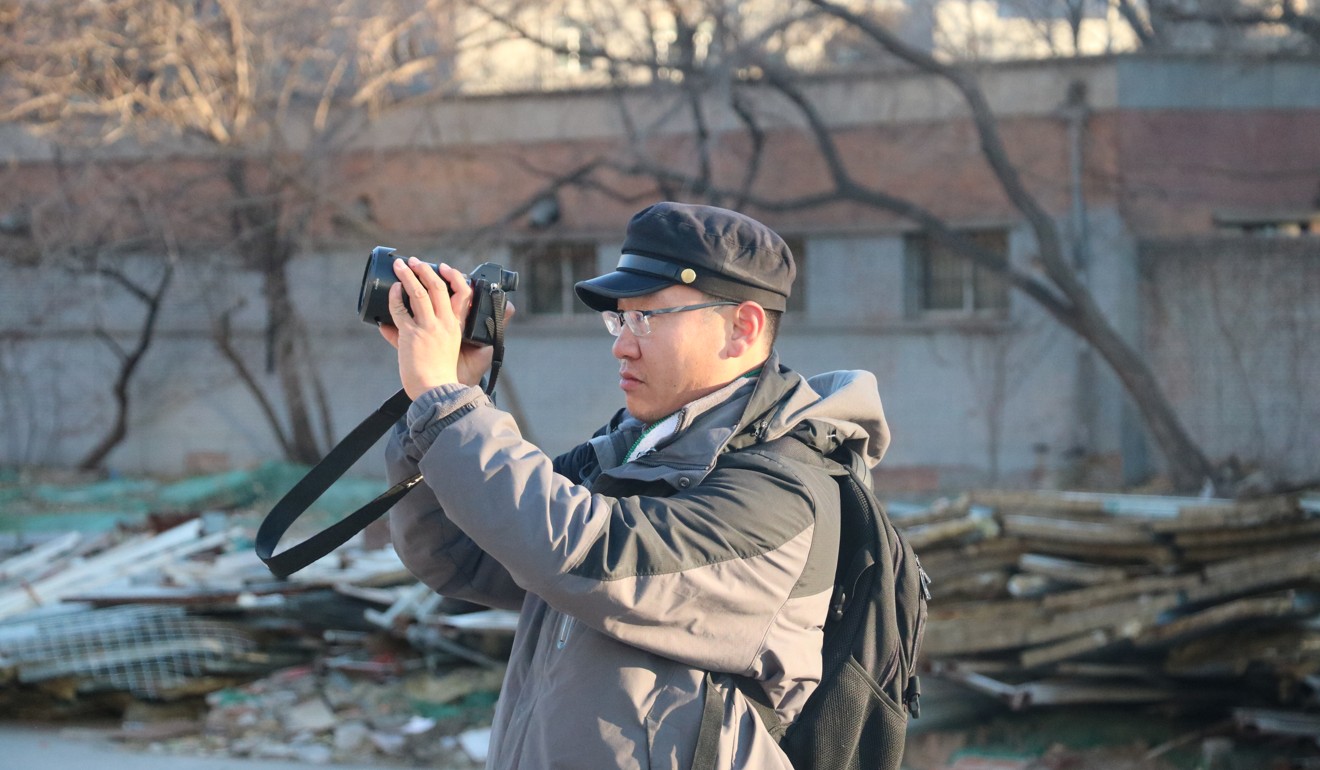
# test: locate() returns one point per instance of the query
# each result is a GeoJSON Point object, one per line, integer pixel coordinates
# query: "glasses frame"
{"type": "Point", "coordinates": [639, 321]}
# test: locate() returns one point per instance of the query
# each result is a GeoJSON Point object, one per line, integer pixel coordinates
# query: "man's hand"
{"type": "Point", "coordinates": [430, 341]}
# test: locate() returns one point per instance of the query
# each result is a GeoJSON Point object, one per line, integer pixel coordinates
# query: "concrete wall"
{"type": "Point", "coordinates": [967, 400]}
{"type": "Point", "coordinates": [1231, 324]}
{"type": "Point", "coordinates": [971, 401]}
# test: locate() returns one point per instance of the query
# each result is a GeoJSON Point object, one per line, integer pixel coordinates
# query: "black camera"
{"type": "Point", "coordinates": [488, 280]}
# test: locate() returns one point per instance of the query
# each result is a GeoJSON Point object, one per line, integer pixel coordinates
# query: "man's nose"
{"type": "Point", "coordinates": [625, 345]}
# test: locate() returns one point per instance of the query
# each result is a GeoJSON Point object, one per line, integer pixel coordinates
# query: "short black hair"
{"type": "Point", "coordinates": [772, 319]}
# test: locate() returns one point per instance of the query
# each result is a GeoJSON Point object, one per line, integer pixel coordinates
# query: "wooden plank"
{"type": "Point", "coordinates": [1151, 584]}
{"type": "Point", "coordinates": [1139, 508]}
{"type": "Point", "coordinates": [38, 559]}
{"type": "Point", "coordinates": [1107, 670]}
{"type": "Point", "coordinates": [1058, 692]}
{"type": "Point", "coordinates": [962, 637]}
{"type": "Point", "coordinates": [941, 510]}
{"type": "Point", "coordinates": [1229, 652]}
{"type": "Point", "coordinates": [1070, 570]}
{"type": "Point", "coordinates": [1207, 556]}
{"type": "Point", "coordinates": [134, 556]}
{"type": "Point", "coordinates": [1237, 611]}
{"type": "Point", "coordinates": [1071, 647]}
{"type": "Point", "coordinates": [1002, 609]}
{"type": "Point", "coordinates": [928, 535]}
{"type": "Point", "coordinates": [1046, 528]}
{"type": "Point", "coordinates": [1141, 610]}
{"type": "Point", "coordinates": [1023, 586]}
{"type": "Point", "coordinates": [1296, 724]}
{"type": "Point", "coordinates": [985, 585]}
{"type": "Point", "coordinates": [1238, 515]}
{"type": "Point", "coordinates": [1001, 552]}
{"type": "Point", "coordinates": [1152, 554]}
{"type": "Point", "coordinates": [1280, 533]}
{"type": "Point", "coordinates": [1237, 577]}
{"type": "Point", "coordinates": [968, 633]}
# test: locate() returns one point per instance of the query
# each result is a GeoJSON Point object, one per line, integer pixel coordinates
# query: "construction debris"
{"type": "Point", "coordinates": [166, 617]}
{"type": "Point", "coordinates": [169, 619]}
{"type": "Point", "coordinates": [1048, 598]}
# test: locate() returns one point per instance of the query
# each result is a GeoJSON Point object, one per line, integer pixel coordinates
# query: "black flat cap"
{"type": "Point", "coordinates": [718, 251]}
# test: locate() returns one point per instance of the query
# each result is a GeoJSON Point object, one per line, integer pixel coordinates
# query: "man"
{"type": "Point", "coordinates": [674, 542]}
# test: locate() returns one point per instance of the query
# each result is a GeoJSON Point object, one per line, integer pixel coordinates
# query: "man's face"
{"type": "Point", "coordinates": [681, 360]}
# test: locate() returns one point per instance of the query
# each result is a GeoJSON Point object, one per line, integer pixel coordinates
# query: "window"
{"type": "Point", "coordinates": [549, 271]}
{"type": "Point", "coordinates": [1293, 223]}
{"type": "Point", "coordinates": [947, 283]}
{"type": "Point", "coordinates": [1043, 10]}
{"type": "Point", "coordinates": [575, 51]}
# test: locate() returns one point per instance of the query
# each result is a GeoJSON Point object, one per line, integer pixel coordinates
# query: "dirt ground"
{"type": "Point", "coordinates": [968, 731]}
{"type": "Point", "coordinates": [959, 730]}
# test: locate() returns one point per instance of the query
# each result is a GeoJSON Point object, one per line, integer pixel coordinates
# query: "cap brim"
{"type": "Point", "coordinates": [604, 292]}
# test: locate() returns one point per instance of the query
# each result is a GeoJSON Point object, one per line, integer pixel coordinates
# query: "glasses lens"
{"type": "Point", "coordinates": [611, 320]}
{"type": "Point", "coordinates": [637, 322]}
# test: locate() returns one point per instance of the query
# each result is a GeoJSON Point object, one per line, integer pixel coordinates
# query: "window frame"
{"type": "Point", "coordinates": [576, 259]}
{"type": "Point", "coordinates": [984, 294]}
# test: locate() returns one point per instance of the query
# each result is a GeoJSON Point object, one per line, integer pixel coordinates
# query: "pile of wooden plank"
{"type": "Point", "coordinates": [1054, 597]}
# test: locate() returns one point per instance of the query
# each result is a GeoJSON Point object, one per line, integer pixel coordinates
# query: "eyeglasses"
{"type": "Point", "coordinates": [639, 321]}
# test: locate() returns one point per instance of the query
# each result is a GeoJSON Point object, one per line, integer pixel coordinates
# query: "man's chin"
{"type": "Point", "coordinates": [641, 411]}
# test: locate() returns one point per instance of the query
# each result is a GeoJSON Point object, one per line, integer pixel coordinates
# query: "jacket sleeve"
{"type": "Point", "coordinates": [707, 576]}
{"type": "Point", "coordinates": [430, 545]}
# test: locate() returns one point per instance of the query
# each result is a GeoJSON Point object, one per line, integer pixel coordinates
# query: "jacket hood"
{"type": "Point", "coordinates": [825, 411]}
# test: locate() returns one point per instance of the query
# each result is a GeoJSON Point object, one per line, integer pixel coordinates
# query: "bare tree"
{"type": "Point", "coordinates": [115, 239]}
{"type": "Point", "coordinates": [743, 61]}
{"type": "Point", "coordinates": [129, 358]}
{"type": "Point", "coordinates": [268, 92]}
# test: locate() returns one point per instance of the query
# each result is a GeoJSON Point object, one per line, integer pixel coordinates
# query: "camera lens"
{"type": "Point", "coordinates": [374, 294]}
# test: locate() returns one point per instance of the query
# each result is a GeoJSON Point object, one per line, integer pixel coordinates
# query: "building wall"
{"type": "Point", "coordinates": [971, 400]}
{"type": "Point", "coordinates": [1231, 325]}
{"type": "Point", "coordinates": [963, 398]}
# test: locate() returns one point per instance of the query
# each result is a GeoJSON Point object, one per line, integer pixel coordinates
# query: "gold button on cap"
{"type": "Point", "coordinates": [688, 275]}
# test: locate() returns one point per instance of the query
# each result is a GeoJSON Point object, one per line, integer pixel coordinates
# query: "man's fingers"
{"type": "Point", "coordinates": [437, 289]}
{"type": "Point", "coordinates": [457, 282]}
{"type": "Point", "coordinates": [398, 312]}
{"type": "Point", "coordinates": [418, 297]}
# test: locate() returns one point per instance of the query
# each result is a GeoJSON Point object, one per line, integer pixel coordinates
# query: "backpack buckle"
{"type": "Point", "coordinates": [912, 696]}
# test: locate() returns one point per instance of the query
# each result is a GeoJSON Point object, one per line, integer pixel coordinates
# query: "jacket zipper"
{"type": "Point", "coordinates": [565, 626]}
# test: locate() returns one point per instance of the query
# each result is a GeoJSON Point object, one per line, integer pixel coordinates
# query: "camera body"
{"type": "Point", "coordinates": [488, 280]}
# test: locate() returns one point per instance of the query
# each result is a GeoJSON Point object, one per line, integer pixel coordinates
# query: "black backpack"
{"type": "Point", "coordinates": [857, 717]}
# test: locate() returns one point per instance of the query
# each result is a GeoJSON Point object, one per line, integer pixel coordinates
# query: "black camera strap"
{"type": "Point", "coordinates": [325, 473]}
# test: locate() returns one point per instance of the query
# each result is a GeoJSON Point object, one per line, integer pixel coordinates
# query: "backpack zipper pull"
{"type": "Point", "coordinates": [840, 601]}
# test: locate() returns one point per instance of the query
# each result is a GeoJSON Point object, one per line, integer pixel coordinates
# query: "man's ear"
{"type": "Point", "coordinates": [749, 328]}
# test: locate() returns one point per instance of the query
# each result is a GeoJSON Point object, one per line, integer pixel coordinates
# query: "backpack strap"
{"type": "Point", "coordinates": [712, 717]}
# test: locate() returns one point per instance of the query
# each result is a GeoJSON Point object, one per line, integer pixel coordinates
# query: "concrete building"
{"type": "Point", "coordinates": [1187, 187]}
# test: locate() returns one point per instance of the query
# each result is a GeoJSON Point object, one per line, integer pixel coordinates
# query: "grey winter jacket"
{"type": "Point", "coordinates": [635, 579]}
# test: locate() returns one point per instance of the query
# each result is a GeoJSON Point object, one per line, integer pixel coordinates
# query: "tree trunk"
{"type": "Point", "coordinates": [258, 225]}
{"type": "Point", "coordinates": [128, 364]}
{"type": "Point", "coordinates": [283, 335]}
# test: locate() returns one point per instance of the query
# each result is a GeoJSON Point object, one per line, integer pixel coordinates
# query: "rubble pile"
{"type": "Point", "coordinates": [1047, 598]}
{"type": "Point", "coordinates": [419, 718]}
{"type": "Point", "coordinates": [202, 652]}
{"type": "Point", "coordinates": [154, 608]}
